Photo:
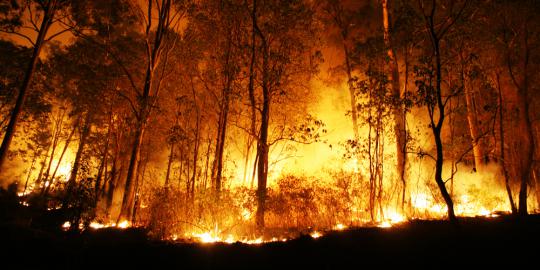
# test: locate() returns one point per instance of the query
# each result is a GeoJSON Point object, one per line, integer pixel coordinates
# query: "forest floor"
{"type": "Point", "coordinates": [422, 244]}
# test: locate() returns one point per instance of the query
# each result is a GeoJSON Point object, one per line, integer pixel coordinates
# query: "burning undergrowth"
{"type": "Point", "coordinates": [296, 205]}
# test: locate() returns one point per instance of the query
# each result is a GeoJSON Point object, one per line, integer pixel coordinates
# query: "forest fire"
{"type": "Point", "coordinates": [266, 121]}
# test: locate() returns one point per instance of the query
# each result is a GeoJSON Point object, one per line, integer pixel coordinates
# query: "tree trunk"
{"type": "Point", "coordinates": [207, 163]}
{"type": "Point", "coordinates": [169, 163]}
{"type": "Point", "coordinates": [147, 101]}
{"type": "Point", "coordinates": [262, 144]}
{"type": "Point", "coordinates": [48, 15]}
{"type": "Point", "coordinates": [527, 150]}
{"type": "Point", "coordinates": [127, 200]}
{"type": "Point", "coordinates": [197, 142]}
{"type": "Point", "coordinates": [68, 140]}
{"type": "Point", "coordinates": [262, 149]}
{"type": "Point", "coordinates": [220, 143]}
{"type": "Point", "coordinates": [480, 158]}
{"type": "Point", "coordinates": [503, 159]}
{"type": "Point", "coordinates": [438, 176]}
{"type": "Point", "coordinates": [36, 154]}
{"type": "Point", "coordinates": [56, 136]}
{"type": "Point", "coordinates": [354, 113]}
{"type": "Point", "coordinates": [103, 164]}
{"type": "Point", "coordinates": [112, 182]}
{"type": "Point", "coordinates": [224, 114]}
{"type": "Point", "coordinates": [77, 162]}
{"type": "Point", "coordinates": [437, 128]}
{"type": "Point", "coordinates": [398, 110]}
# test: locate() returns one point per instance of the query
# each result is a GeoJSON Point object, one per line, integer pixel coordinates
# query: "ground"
{"type": "Point", "coordinates": [425, 244]}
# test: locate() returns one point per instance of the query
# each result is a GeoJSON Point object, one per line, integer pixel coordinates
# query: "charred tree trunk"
{"type": "Point", "coordinates": [154, 51]}
{"type": "Point", "coordinates": [127, 201]}
{"type": "Point", "coordinates": [262, 142]}
{"type": "Point", "coordinates": [439, 110]}
{"type": "Point", "coordinates": [480, 158]}
{"type": "Point", "coordinates": [207, 163]}
{"type": "Point", "coordinates": [503, 159]}
{"type": "Point", "coordinates": [354, 112]}
{"type": "Point", "coordinates": [251, 91]}
{"type": "Point", "coordinates": [398, 110]}
{"type": "Point", "coordinates": [527, 148]}
{"type": "Point", "coordinates": [169, 164]}
{"type": "Point", "coordinates": [223, 115]}
{"type": "Point", "coordinates": [47, 19]}
{"type": "Point", "coordinates": [77, 162]}
{"type": "Point", "coordinates": [111, 187]}
{"type": "Point", "coordinates": [197, 142]}
{"type": "Point", "coordinates": [262, 149]}
{"type": "Point", "coordinates": [68, 140]}
{"type": "Point", "coordinates": [220, 141]}
{"type": "Point", "coordinates": [103, 163]}
{"type": "Point", "coordinates": [526, 142]}
{"type": "Point", "coordinates": [56, 137]}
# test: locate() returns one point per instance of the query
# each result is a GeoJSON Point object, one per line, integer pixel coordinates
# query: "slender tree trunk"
{"type": "Point", "coordinates": [36, 154]}
{"type": "Point", "coordinates": [77, 162]}
{"type": "Point", "coordinates": [138, 184]}
{"type": "Point", "coordinates": [398, 110]}
{"type": "Point", "coordinates": [207, 163]}
{"type": "Point", "coordinates": [224, 114]}
{"type": "Point", "coordinates": [154, 50]}
{"type": "Point", "coordinates": [56, 137]}
{"type": "Point", "coordinates": [251, 91]}
{"type": "Point", "coordinates": [103, 164]}
{"type": "Point", "coordinates": [262, 145]}
{"type": "Point", "coordinates": [197, 142]}
{"type": "Point", "coordinates": [503, 159]}
{"type": "Point", "coordinates": [437, 128]}
{"type": "Point", "coordinates": [48, 15]}
{"type": "Point", "coordinates": [354, 111]}
{"type": "Point", "coordinates": [526, 142]}
{"type": "Point", "coordinates": [127, 201]}
{"type": "Point", "coordinates": [112, 183]}
{"type": "Point", "coordinates": [68, 140]}
{"type": "Point", "coordinates": [262, 174]}
{"type": "Point", "coordinates": [527, 148]}
{"type": "Point", "coordinates": [472, 119]}
{"type": "Point", "coordinates": [169, 163]}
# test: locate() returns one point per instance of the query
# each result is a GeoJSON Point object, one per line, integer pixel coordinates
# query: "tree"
{"type": "Point", "coordinates": [283, 36]}
{"type": "Point", "coordinates": [397, 95]}
{"type": "Point", "coordinates": [158, 44]}
{"type": "Point", "coordinates": [47, 10]}
{"type": "Point", "coordinates": [517, 35]}
{"type": "Point", "coordinates": [431, 93]}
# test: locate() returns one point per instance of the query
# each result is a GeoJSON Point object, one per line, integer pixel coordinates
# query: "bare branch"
{"type": "Point", "coordinates": [20, 35]}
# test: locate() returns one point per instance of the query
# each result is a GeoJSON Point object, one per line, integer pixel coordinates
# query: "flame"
{"type": "Point", "coordinates": [315, 234]}
{"type": "Point", "coordinates": [213, 237]}
{"type": "Point", "coordinates": [385, 224]}
{"type": "Point", "coordinates": [66, 225]}
{"type": "Point", "coordinates": [123, 224]}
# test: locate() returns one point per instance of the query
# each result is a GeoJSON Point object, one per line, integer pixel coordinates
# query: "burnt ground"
{"type": "Point", "coordinates": [425, 244]}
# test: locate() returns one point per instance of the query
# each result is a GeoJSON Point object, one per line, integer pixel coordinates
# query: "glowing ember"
{"type": "Point", "coordinates": [123, 224]}
{"type": "Point", "coordinates": [66, 225]}
{"type": "Point", "coordinates": [315, 234]}
{"type": "Point", "coordinates": [394, 217]}
{"type": "Point", "coordinates": [385, 224]}
{"type": "Point", "coordinates": [208, 238]}
{"type": "Point", "coordinates": [96, 225]}
{"type": "Point", "coordinates": [340, 227]}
